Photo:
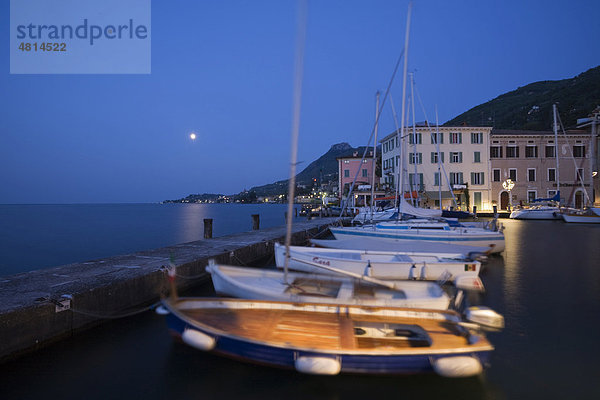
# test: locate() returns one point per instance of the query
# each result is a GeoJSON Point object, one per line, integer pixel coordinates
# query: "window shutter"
{"type": "Point", "coordinates": [460, 156]}
{"type": "Point", "coordinates": [472, 178]}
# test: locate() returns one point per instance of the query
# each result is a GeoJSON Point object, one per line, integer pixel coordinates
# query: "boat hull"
{"type": "Point", "coordinates": [581, 219]}
{"type": "Point", "coordinates": [257, 284]}
{"type": "Point", "coordinates": [493, 241]}
{"type": "Point", "coordinates": [417, 266]}
{"type": "Point", "coordinates": [550, 214]}
{"type": "Point", "coordinates": [351, 362]}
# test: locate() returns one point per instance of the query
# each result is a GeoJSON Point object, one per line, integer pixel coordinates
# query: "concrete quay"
{"type": "Point", "coordinates": [43, 306]}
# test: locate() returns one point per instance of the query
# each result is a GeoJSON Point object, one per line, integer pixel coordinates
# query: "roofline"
{"type": "Point", "coordinates": [433, 127]}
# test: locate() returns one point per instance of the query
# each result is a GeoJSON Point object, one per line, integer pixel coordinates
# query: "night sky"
{"type": "Point", "coordinates": [224, 70]}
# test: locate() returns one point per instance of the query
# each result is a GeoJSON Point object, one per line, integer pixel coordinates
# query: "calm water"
{"type": "Point", "coordinates": [547, 284]}
{"type": "Point", "coordinates": [41, 236]}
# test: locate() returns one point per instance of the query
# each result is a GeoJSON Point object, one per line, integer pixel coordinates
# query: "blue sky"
{"type": "Point", "coordinates": [225, 71]}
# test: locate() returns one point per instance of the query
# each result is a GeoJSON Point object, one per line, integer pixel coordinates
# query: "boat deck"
{"type": "Point", "coordinates": [327, 331]}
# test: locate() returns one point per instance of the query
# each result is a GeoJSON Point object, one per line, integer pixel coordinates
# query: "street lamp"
{"type": "Point", "coordinates": [508, 185]}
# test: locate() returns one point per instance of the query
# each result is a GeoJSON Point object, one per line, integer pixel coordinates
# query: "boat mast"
{"type": "Point", "coordinates": [298, 73]}
{"type": "Point", "coordinates": [554, 111]}
{"type": "Point", "coordinates": [374, 156]}
{"type": "Point", "coordinates": [404, 91]}
{"type": "Point", "coordinates": [415, 201]}
{"type": "Point", "coordinates": [439, 160]}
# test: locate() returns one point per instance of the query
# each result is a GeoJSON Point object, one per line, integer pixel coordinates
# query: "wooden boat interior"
{"type": "Point", "coordinates": [345, 330]}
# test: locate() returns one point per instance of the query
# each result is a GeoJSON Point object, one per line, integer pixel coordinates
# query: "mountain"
{"type": "Point", "coordinates": [324, 169]}
{"type": "Point", "coordinates": [530, 107]}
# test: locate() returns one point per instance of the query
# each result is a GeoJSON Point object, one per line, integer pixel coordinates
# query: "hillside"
{"type": "Point", "coordinates": [530, 107]}
{"type": "Point", "coordinates": [324, 169]}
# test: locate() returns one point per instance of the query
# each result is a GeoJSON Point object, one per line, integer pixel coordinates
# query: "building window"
{"type": "Point", "coordinates": [512, 152]}
{"type": "Point", "coordinates": [496, 173]}
{"type": "Point", "coordinates": [531, 152]}
{"type": "Point", "coordinates": [531, 196]}
{"type": "Point", "coordinates": [495, 152]}
{"type": "Point", "coordinates": [419, 184]}
{"type": "Point", "coordinates": [579, 176]}
{"type": "Point", "coordinates": [436, 179]}
{"type": "Point", "coordinates": [456, 156]}
{"type": "Point", "coordinates": [439, 136]}
{"type": "Point", "coordinates": [477, 137]}
{"type": "Point", "coordinates": [397, 159]}
{"type": "Point", "coordinates": [455, 137]}
{"type": "Point", "coordinates": [385, 147]}
{"type": "Point", "coordinates": [477, 178]}
{"type": "Point", "coordinates": [391, 145]}
{"type": "Point", "coordinates": [551, 175]}
{"type": "Point", "coordinates": [550, 151]}
{"type": "Point", "coordinates": [578, 151]}
{"type": "Point", "coordinates": [512, 174]}
{"type": "Point", "coordinates": [346, 173]}
{"type": "Point", "coordinates": [477, 156]}
{"type": "Point", "coordinates": [456, 178]}
{"type": "Point", "coordinates": [415, 158]}
{"type": "Point", "coordinates": [364, 173]}
{"type": "Point", "coordinates": [434, 157]}
{"type": "Point", "coordinates": [413, 136]}
{"type": "Point", "coordinates": [551, 193]}
{"type": "Point", "coordinates": [530, 174]}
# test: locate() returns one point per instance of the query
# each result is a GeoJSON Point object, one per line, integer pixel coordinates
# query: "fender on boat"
{"type": "Point", "coordinates": [162, 310]}
{"type": "Point", "coordinates": [457, 367]}
{"type": "Point", "coordinates": [318, 365]}
{"type": "Point", "coordinates": [198, 340]}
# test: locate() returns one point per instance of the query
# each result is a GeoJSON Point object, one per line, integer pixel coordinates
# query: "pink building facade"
{"type": "Point", "coordinates": [349, 166]}
{"type": "Point", "coordinates": [528, 158]}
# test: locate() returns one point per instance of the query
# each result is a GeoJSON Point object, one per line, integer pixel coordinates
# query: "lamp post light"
{"type": "Point", "coordinates": [509, 185]}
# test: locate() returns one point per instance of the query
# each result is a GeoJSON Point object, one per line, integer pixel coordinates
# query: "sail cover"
{"type": "Point", "coordinates": [556, 198]}
{"type": "Point", "coordinates": [407, 208]}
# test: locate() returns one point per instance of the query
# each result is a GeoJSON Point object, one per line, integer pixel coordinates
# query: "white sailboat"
{"type": "Point", "coordinates": [267, 284]}
{"type": "Point", "coordinates": [427, 230]}
{"type": "Point", "coordinates": [379, 264]}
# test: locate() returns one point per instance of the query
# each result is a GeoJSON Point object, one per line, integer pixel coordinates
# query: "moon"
{"type": "Point", "coordinates": [193, 136]}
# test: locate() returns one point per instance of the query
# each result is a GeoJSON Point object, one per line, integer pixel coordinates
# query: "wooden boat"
{"type": "Point", "coordinates": [264, 284]}
{"type": "Point", "coordinates": [428, 230]}
{"type": "Point", "coordinates": [379, 264]}
{"type": "Point", "coordinates": [331, 339]}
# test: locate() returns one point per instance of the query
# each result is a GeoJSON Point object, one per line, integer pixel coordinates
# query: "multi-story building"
{"type": "Point", "coordinates": [348, 167]}
{"type": "Point", "coordinates": [464, 168]}
{"type": "Point", "coordinates": [592, 123]}
{"type": "Point", "coordinates": [528, 158]}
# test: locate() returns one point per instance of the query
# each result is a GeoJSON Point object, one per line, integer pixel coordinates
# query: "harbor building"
{"type": "Point", "coordinates": [462, 174]}
{"type": "Point", "coordinates": [528, 159]}
{"type": "Point", "coordinates": [591, 123]}
{"type": "Point", "coordinates": [354, 166]}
